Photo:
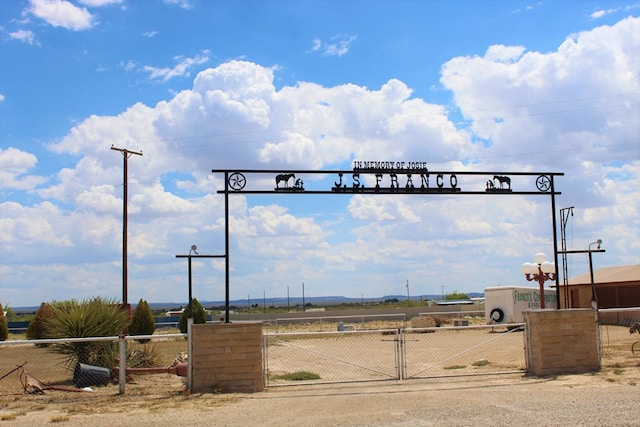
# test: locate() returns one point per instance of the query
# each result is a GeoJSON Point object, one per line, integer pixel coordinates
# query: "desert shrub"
{"type": "Point", "coordinates": [143, 356]}
{"type": "Point", "coordinates": [36, 329]}
{"type": "Point", "coordinates": [4, 327]}
{"type": "Point", "coordinates": [96, 317]}
{"type": "Point", "coordinates": [142, 321]}
{"type": "Point", "coordinates": [198, 314]}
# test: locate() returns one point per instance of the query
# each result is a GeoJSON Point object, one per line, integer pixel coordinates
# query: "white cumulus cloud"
{"type": "Point", "coordinates": [25, 36]}
{"type": "Point", "coordinates": [61, 13]}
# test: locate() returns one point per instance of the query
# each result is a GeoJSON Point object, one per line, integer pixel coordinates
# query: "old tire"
{"type": "Point", "coordinates": [496, 315]}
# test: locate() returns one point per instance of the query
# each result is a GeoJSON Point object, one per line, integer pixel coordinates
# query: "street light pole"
{"type": "Point", "coordinates": [589, 251]}
{"type": "Point", "coordinates": [594, 300]}
{"type": "Point", "coordinates": [194, 250]}
{"type": "Point", "coordinates": [540, 271]}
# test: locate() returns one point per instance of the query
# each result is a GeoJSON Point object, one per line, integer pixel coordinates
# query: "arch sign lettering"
{"type": "Point", "coordinates": [384, 177]}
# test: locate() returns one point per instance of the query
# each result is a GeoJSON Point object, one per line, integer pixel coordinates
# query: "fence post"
{"type": "Point", "coordinates": [122, 364]}
{"type": "Point", "coordinates": [189, 355]}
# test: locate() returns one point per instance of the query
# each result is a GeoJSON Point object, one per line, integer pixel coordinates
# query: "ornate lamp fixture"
{"type": "Point", "coordinates": [540, 271]}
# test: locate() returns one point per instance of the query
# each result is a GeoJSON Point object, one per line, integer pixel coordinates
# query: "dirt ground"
{"type": "Point", "coordinates": [609, 397]}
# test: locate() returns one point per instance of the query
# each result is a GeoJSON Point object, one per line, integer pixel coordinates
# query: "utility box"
{"type": "Point", "coordinates": [505, 304]}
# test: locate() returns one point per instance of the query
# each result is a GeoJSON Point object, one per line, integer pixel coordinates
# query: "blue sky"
{"type": "Point", "coordinates": [306, 85]}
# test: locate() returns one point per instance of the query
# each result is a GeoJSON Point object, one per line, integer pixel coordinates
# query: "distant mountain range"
{"type": "Point", "coordinates": [293, 301]}
{"type": "Point", "coordinates": [281, 301]}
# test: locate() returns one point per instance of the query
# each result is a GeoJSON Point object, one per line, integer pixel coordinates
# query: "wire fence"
{"type": "Point", "coordinates": [619, 331]}
{"type": "Point", "coordinates": [311, 351]}
{"type": "Point", "coordinates": [35, 366]}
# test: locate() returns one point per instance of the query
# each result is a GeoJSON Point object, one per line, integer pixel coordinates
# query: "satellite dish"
{"type": "Point", "coordinates": [194, 248]}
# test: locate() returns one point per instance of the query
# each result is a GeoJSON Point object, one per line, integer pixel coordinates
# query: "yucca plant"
{"type": "Point", "coordinates": [95, 317]}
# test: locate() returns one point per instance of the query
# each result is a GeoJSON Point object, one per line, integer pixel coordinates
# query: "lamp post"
{"type": "Point", "coordinates": [540, 271]}
{"type": "Point", "coordinates": [193, 253]}
{"type": "Point", "coordinates": [589, 251]}
{"type": "Point", "coordinates": [594, 300]}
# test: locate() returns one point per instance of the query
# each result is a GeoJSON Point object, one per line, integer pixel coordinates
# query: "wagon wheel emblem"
{"type": "Point", "coordinates": [543, 183]}
{"type": "Point", "coordinates": [237, 181]}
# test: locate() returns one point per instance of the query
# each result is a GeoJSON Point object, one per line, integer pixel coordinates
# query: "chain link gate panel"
{"type": "Point", "coordinates": [460, 351]}
{"type": "Point", "coordinates": [331, 357]}
{"type": "Point", "coordinates": [394, 354]}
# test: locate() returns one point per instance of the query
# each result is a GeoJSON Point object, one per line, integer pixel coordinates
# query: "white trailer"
{"type": "Point", "coordinates": [505, 304]}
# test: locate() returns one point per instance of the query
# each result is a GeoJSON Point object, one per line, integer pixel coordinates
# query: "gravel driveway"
{"type": "Point", "coordinates": [607, 398]}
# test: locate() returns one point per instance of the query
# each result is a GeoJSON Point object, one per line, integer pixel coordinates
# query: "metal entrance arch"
{"type": "Point", "coordinates": [382, 177]}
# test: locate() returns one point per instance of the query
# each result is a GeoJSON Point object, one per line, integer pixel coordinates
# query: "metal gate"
{"type": "Point", "coordinates": [391, 354]}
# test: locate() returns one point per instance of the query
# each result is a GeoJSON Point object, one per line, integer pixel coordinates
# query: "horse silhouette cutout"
{"type": "Point", "coordinates": [284, 177]}
{"type": "Point", "coordinates": [502, 180]}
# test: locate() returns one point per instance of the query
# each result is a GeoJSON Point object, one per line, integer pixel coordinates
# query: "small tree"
{"type": "Point", "coordinates": [198, 314]}
{"type": "Point", "coordinates": [142, 321]}
{"type": "Point", "coordinates": [36, 329]}
{"type": "Point", "coordinates": [4, 328]}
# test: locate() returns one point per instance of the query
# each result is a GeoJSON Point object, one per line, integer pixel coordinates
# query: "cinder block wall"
{"type": "Point", "coordinates": [227, 357]}
{"type": "Point", "coordinates": [562, 342]}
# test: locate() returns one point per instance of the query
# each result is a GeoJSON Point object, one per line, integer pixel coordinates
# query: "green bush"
{"type": "Point", "coordinates": [198, 314]}
{"type": "Point", "coordinates": [142, 321]}
{"type": "Point", "coordinates": [4, 327]}
{"type": "Point", "coordinates": [36, 331]}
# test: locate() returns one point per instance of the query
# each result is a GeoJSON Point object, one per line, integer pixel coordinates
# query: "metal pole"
{"type": "Point", "coordinates": [226, 246]}
{"type": "Point", "coordinates": [190, 290]}
{"type": "Point", "coordinates": [541, 283]}
{"type": "Point", "coordinates": [594, 301]}
{"type": "Point", "coordinates": [555, 247]}
{"type": "Point", "coordinates": [589, 252]}
{"type": "Point", "coordinates": [122, 363]}
{"type": "Point", "coordinates": [564, 217]}
{"type": "Point", "coordinates": [190, 353]}
{"type": "Point", "coordinates": [189, 257]}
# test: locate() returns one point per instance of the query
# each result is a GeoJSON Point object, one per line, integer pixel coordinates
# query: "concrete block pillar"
{"type": "Point", "coordinates": [562, 341]}
{"type": "Point", "coordinates": [227, 357]}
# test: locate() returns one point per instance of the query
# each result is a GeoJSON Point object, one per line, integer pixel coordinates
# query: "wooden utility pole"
{"type": "Point", "coordinates": [126, 154]}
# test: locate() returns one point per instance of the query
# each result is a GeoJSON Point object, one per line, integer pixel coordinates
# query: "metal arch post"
{"type": "Point", "coordinates": [555, 241]}
{"type": "Point", "coordinates": [226, 246]}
